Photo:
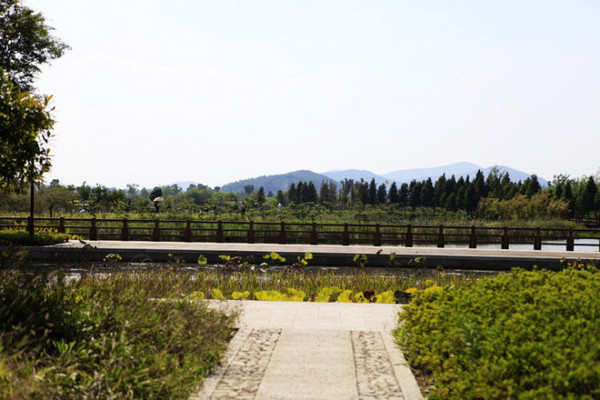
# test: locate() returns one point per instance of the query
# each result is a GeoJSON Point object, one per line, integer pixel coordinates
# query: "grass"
{"type": "Point", "coordinates": [523, 335]}
{"type": "Point", "coordinates": [103, 337]}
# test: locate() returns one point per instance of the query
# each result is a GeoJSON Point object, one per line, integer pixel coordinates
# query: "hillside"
{"type": "Point", "coordinates": [420, 174]}
{"type": "Point", "coordinates": [273, 183]}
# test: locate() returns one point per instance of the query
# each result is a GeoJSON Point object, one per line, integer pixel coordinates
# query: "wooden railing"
{"type": "Point", "coordinates": [308, 233]}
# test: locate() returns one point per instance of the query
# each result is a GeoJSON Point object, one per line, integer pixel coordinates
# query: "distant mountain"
{"type": "Point", "coordinates": [355, 174]}
{"type": "Point", "coordinates": [273, 183]}
{"type": "Point", "coordinates": [420, 174]}
{"type": "Point", "coordinates": [407, 175]}
{"type": "Point", "coordinates": [457, 169]}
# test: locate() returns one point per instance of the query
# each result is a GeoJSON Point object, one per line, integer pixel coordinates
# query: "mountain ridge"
{"type": "Point", "coordinates": [275, 182]}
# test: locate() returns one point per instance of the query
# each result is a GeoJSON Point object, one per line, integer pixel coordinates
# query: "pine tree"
{"type": "Point", "coordinates": [372, 192]}
{"type": "Point", "coordinates": [393, 194]}
{"type": "Point", "coordinates": [381, 194]}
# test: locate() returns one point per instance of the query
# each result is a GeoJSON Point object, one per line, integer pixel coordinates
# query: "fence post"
{"type": "Point", "coordinates": [537, 242]}
{"type": "Point", "coordinates": [219, 231]}
{"type": "Point", "coordinates": [156, 232]}
{"type": "Point", "coordinates": [377, 236]}
{"type": "Point", "coordinates": [93, 230]}
{"type": "Point", "coordinates": [251, 232]}
{"type": "Point", "coordinates": [570, 240]}
{"type": "Point", "coordinates": [313, 234]}
{"type": "Point", "coordinates": [125, 230]}
{"type": "Point", "coordinates": [473, 238]}
{"type": "Point", "coordinates": [187, 234]}
{"type": "Point", "coordinates": [61, 225]}
{"type": "Point", "coordinates": [282, 238]}
{"type": "Point", "coordinates": [440, 237]}
{"type": "Point", "coordinates": [408, 239]}
{"type": "Point", "coordinates": [345, 236]}
{"type": "Point", "coordinates": [505, 238]}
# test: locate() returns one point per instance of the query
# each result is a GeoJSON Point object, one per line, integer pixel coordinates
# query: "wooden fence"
{"type": "Point", "coordinates": [307, 233]}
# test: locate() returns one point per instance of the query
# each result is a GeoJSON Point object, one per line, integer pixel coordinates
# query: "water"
{"type": "Point", "coordinates": [584, 245]}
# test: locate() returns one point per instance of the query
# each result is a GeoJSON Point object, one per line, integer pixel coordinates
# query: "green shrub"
{"type": "Point", "coordinates": [39, 239]}
{"type": "Point", "coordinates": [529, 335]}
{"type": "Point", "coordinates": [102, 337]}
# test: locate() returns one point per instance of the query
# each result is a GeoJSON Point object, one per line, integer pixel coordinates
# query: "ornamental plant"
{"type": "Point", "coordinates": [526, 335]}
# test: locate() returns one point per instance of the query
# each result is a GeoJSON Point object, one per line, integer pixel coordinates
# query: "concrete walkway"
{"type": "Point", "coordinates": [295, 350]}
{"type": "Point", "coordinates": [329, 255]}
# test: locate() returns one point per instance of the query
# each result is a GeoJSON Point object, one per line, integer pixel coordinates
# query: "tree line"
{"type": "Point", "coordinates": [494, 197]}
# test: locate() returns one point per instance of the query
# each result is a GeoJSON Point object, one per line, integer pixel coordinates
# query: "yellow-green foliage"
{"type": "Point", "coordinates": [360, 298]}
{"type": "Point", "coordinates": [386, 297]}
{"type": "Point", "coordinates": [216, 294]}
{"type": "Point", "coordinates": [275, 295]}
{"type": "Point", "coordinates": [240, 295]}
{"type": "Point", "coordinates": [523, 335]}
{"type": "Point", "coordinates": [521, 207]}
{"type": "Point", "coordinates": [196, 295]}
{"type": "Point", "coordinates": [344, 297]}
{"type": "Point", "coordinates": [328, 294]}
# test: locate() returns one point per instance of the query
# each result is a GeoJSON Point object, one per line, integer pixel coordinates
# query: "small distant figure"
{"type": "Point", "coordinates": [157, 201]}
{"type": "Point", "coordinates": [279, 207]}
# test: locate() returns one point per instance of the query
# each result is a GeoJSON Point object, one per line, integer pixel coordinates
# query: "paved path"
{"type": "Point", "coordinates": [295, 350]}
{"type": "Point", "coordinates": [331, 255]}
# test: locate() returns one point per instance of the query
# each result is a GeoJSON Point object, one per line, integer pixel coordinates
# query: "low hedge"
{"type": "Point", "coordinates": [39, 239]}
{"type": "Point", "coordinates": [523, 335]}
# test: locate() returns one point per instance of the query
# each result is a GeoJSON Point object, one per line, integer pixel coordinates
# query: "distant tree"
{"type": "Point", "coordinates": [324, 196]}
{"type": "Point", "coordinates": [532, 186]}
{"type": "Point", "coordinates": [301, 195]}
{"type": "Point", "coordinates": [393, 194]}
{"type": "Point", "coordinates": [260, 196]}
{"type": "Point", "coordinates": [588, 196]}
{"type": "Point", "coordinates": [248, 189]}
{"type": "Point", "coordinates": [414, 196]}
{"type": "Point", "coordinates": [372, 192]}
{"type": "Point", "coordinates": [403, 193]}
{"type": "Point", "coordinates": [132, 189]}
{"type": "Point", "coordinates": [470, 199]}
{"type": "Point", "coordinates": [292, 193]}
{"type": "Point", "coordinates": [494, 183]}
{"type": "Point", "coordinates": [156, 192]}
{"type": "Point", "coordinates": [427, 193]}
{"type": "Point", "coordinates": [362, 192]}
{"type": "Point", "coordinates": [481, 189]}
{"type": "Point", "coordinates": [381, 194]}
{"type": "Point", "coordinates": [439, 190]}
{"type": "Point", "coordinates": [280, 197]}
{"type": "Point", "coordinates": [311, 191]}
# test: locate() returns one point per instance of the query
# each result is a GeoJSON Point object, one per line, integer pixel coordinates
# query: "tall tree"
{"type": "Point", "coordinates": [588, 196]}
{"type": "Point", "coordinates": [324, 193]}
{"type": "Point", "coordinates": [381, 194]}
{"type": "Point", "coordinates": [427, 193]}
{"type": "Point", "coordinates": [25, 43]}
{"type": "Point", "coordinates": [372, 192]}
{"type": "Point", "coordinates": [260, 196]}
{"type": "Point", "coordinates": [393, 194]}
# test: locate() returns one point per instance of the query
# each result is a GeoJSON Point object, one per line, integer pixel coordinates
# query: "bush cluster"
{"type": "Point", "coordinates": [98, 338]}
{"type": "Point", "coordinates": [22, 238]}
{"type": "Point", "coordinates": [524, 335]}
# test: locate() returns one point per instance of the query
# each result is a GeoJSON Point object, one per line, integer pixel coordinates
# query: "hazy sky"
{"type": "Point", "coordinates": [155, 92]}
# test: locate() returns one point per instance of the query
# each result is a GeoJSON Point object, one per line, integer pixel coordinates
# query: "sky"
{"type": "Point", "coordinates": [156, 92]}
